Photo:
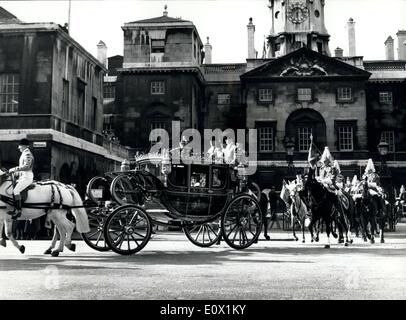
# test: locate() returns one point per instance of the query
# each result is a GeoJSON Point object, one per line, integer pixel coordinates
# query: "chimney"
{"type": "Point", "coordinates": [166, 11]}
{"type": "Point", "coordinates": [102, 53]}
{"type": "Point", "coordinates": [389, 49]}
{"type": "Point", "coordinates": [401, 44]}
{"type": "Point", "coordinates": [207, 52]}
{"type": "Point", "coordinates": [351, 38]}
{"type": "Point", "coordinates": [339, 53]}
{"type": "Point", "coordinates": [251, 40]}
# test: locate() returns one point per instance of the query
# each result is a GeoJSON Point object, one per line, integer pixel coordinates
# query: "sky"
{"type": "Point", "coordinates": [224, 21]}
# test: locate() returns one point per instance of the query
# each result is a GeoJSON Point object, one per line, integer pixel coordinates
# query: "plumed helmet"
{"type": "Point", "coordinates": [370, 167]}
{"type": "Point", "coordinates": [24, 142]}
{"type": "Point", "coordinates": [355, 180]}
{"type": "Point", "coordinates": [402, 189]}
{"type": "Point", "coordinates": [326, 157]}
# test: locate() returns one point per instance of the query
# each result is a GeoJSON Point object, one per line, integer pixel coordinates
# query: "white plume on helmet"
{"type": "Point", "coordinates": [355, 181]}
{"type": "Point", "coordinates": [370, 167]}
{"type": "Point", "coordinates": [326, 156]}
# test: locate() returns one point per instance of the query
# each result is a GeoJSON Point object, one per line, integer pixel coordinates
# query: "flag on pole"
{"type": "Point", "coordinates": [313, 154]}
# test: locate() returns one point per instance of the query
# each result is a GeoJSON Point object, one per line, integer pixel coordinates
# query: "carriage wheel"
{"type": "Point", "coordinates": [241, 223]}
{"type": "Point", "coordinates": [122, 190]}
{"type": "Point", "coordinates": [95, 237]}
{"type": "Point", "coordinates": [95, 187]}
{"type": "Point", "coordinates": [203, 235]}
{"type": "Point", "coordinates": [127, 229]}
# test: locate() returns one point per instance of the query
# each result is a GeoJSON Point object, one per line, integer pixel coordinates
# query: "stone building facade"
{"type": "Point", "coordinates": [51, 93]}
{"type": "Point", "coordinates": [294, 90]}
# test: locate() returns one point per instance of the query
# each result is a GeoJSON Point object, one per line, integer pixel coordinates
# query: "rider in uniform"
{"type": "Point", "coordinates": [24, 174]}
{"type": "Point", "coordinates": [328, 172]}
{"type": "Point", "coordinates": [371, 177]}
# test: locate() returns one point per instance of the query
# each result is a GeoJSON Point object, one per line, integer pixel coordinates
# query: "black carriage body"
{"type": "Point", "coordinates": [190, 193]}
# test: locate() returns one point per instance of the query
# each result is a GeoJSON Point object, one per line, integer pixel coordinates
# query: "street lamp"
{"type": "Point", "coordinates": [383, 148]}
{"type": "Point", "coordinates": [290, 150]}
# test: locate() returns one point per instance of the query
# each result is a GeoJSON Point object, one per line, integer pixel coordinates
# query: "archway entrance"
{"type": "Point", "coordinates": [303, 123]}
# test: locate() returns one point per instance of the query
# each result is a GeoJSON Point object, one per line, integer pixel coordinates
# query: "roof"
{"type": "Point", "coordinates": [386, 70]}
{"type": "Point", "coordinates": [6, 16]}
{"type": "Point", "coordinates": [162, 19]}
{"type": "Point", "coordinates": [224, 72]}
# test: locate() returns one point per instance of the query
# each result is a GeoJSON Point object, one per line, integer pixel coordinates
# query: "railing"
{"type": "Point", "coordinates": [221, 68]}
{"type": "Point", "coordinates": [385, 65]}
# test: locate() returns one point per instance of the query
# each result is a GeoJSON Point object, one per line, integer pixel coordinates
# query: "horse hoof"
{"type": "Point", "coordinates": [327, 246]}
{"type": "Point", "coordinates": [317, 240]}
{"type": "Point", "coordinates": [48, 251]}
{"type": "Point", "coordinates": [22, 249]}
{"type": "Point", "coordinates": [55, 253]}
{"type": "Point", "coordinates": [351, 241]}
{"type": "Point", "coordinates": [296, 239]}
{"type": "Point", "coordinates": [303, 241]}
{"type": "Point", "coordinates": [267, 237]}
{"type": "Point", "coordinates": [335, 235]}
{"type": "Point", "coordinates": [346, 244]}
{"type": "Point", "coordinates": [372, 241]}
{"type": "Point", "coordinates": [312, 240]}
{"type": "Point", "coordinates": [72, 247]}
{"type": "Point", "coordinates": [382, 241]}
{"type": "Point", "coordinates": [3, 243]}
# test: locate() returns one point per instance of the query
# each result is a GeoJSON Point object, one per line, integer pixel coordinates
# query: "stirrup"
{"type": "Point", "coordinates": [14, 214]}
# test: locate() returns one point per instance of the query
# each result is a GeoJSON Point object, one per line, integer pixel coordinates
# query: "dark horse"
{"type": "Point", "coordinates": [325, 205]}
{"type": "Point", "coordinates": [369, 207]}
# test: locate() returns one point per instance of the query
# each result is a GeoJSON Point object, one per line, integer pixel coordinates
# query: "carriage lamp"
{"type": "Point", "coordinates": [125, 165]}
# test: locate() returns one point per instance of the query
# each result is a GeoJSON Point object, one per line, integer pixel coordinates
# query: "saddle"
{"type": "Point", "coordinates": [24, 193]}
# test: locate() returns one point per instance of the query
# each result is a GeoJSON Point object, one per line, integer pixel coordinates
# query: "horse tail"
{"type": "Point", "coordinates": [80, 214]}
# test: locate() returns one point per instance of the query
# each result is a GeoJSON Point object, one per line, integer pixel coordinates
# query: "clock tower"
{"type": "Point", "coordinates": [296, 24]}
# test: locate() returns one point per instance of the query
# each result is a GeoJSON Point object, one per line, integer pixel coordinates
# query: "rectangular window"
{"type": "Point", "coordinates": [93, 118]}
{"type": "Point", "coordinates": [344, 94]}
{"type": "Point", "coordinates": [265, 95]}
{"type": "Point", "coordinates": [346, 138]}
{"type": "Point", "coordinates": [80, 119]}
{"type": "Point", "coordinates": [304, 138]}
{"type": "Point", "coordinates": [109, 91]}
{"type": "Point", "coordinates": [157, 87]}
{"type": "Point", "coordinates": [223, 98]}
{"type": "Point", "coordinates": [9, 92]}
{"type": "Point", "coordinates": [385, 97]}
{"type": "Point", "coordinates": [157, 46]}
{"type": "Point", "coordinates": [304, 94]}
{"type": "Point", "coordinates": [65, 99]}
{"type": "Point", "coordinates": [389, 138]}
{"type": "Point", "coordinates": [265, 139]}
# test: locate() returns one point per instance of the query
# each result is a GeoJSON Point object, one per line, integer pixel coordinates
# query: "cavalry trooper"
{"type": "Point", "coordinates": [328, 172]}
{"type": "Point", "coordinates": [24, 174]}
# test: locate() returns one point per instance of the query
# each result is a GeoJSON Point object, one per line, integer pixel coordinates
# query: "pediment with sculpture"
{"type": "Point", "coordinates": [305, 63]}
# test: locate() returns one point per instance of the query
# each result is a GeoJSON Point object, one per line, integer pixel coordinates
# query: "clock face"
{"type": "Point", "coordinates": [297, 13]}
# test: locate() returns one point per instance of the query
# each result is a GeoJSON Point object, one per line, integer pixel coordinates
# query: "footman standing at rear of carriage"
{"type": "Point", "coordinates": [25, 175]}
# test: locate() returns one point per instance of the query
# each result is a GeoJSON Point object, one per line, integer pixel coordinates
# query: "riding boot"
{"type": "Point", "coordinates": [17, 209]}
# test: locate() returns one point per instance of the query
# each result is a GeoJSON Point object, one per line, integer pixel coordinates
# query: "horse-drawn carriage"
{"type": "Point", "coordinates": [207, 200]}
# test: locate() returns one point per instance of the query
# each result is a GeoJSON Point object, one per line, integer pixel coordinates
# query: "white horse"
{"type": "Point", "coordinates": [42, 196]}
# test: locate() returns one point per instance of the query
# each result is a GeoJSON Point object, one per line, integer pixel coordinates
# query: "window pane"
{"type": "Point", "coordinates": [345, 138]}
{"type": "Point", "coordinates": [265, 94]}
{"type": "Point", "coordinates": [9, 92]}
{"type": "Point", "coordinates": [304, 138]}
{"type": "Point", "coordinates": [389, 138]}
{"type": "Point", "coordinates": [223, 98]}
{"type": "Point", "coordinates": [265, 139]}
{"type": "Point", "coordinates": [157, 87]}
{"type": "Point", "coordinates": [385, 97]}
{"type": "Point", "coordinates": [344, 93]}
{"type": "Point", "coordinates": [304, 94]}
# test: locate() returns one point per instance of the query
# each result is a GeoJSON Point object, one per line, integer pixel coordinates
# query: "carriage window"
{"type": "Point", "coordinates": [178, 175]}
{"type": "Point", "coordinates": [199, 177]}
{"type": "Point", "coordinates": [219, 178]}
